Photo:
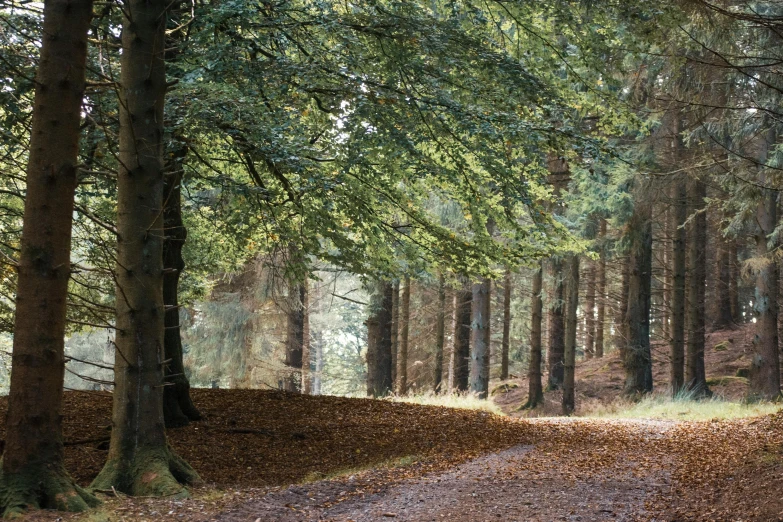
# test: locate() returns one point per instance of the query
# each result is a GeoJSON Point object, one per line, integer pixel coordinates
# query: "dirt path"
{"type": "Point", "coordinates": [577, 470]}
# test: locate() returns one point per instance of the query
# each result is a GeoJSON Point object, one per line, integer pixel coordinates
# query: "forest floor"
{"type": "Point", "coordinates": [273, 456]}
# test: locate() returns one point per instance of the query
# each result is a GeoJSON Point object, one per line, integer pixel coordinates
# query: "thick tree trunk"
{"type": "Point", "coordinates": [294, 349]}
{"type": "Point", "coordinates": [601, 296]}
{"type": "Point", "coordinates": [589, 311]}
{"type": "Point", "coordinates": [379, 381]}
{"type": "Point", "coordinates": [462, 308]}
{"type": "Point", "coordinates": [535, 394]}
{"type": "Point", "coordinates": [395, 333]}
{"type": "Point", "coordinates": [405, 319]}
{"type": "Point", "coordinates": [178, 408]}
{"type": "Point", "coordinates": [679, 265]}
{"type": "Point", "coordinates": [637, 359]}
{"type": "Point", "coordinates": [140, 461]}
{"type": "Point", "coordinates": [33, 474]}
{"type": "Point", "coordinates": [764, 382]}
{"type": "Point", "coordinates": [556, 327]}
{"type": "Point", "coordinates": [695, 377]}
{"type": "Point", "coordinates": [440, 333]}
{"type": "Point", "coordinates": [505, 345]}
{"type": "Point", "coordinates": [479, 357]}
{"type": "Point", "coordinates": [569, 357]}
{"type": "Point", "coordinates": [621, 335]}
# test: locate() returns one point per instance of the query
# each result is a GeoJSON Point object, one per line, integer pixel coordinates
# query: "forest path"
{"type": "Point", "coordinates": [576, 469]}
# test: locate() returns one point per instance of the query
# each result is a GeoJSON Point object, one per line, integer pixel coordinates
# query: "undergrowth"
{"type": "Point", "coordinates": [465, 401]}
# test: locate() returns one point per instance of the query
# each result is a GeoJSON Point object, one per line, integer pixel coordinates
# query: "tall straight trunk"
{"type": "Point", "coordinates": [679, 266]}
{"type": "Point", "coordinates": [395, 329]}
{"type": "Point", "coordinates": [307, 377]}
{"type": "Point", "coordinates": [402, 356]}
{"type": "Point", "coordinates": [505, 345]}
{"type": "Point", "coordinates": [379, 381]}
{"type": "Point", "coordinates": [440, 333]}
{"type": "Point", "coordinates": [764, 381]}
{"type": "Point", "coordinates": [723, 318]}
{"type": "Point", "coordinates": [479, 357]}
{"type": "Point", "coordinates": [695, 377]}
{"type": "Point", "coordinates": [294, 342]}
{"type": "Point", "coordinates": [462, 305]}
{"type": "Point", "coordinates": [556, 327]}
{"type": "Point", "coordinates": [589, 311]}
{"type": "Point", "coordinates": [569, 356]}
{"type": "Point", "coordinates": [637, 359]}
{"type": "Point", "coordinates": [318, 353]}
{"type": "Point", "coordinates": [535, 395]}
{"type": "Point", "coordinates": [667, 275]}
{"type": "Point", "coordinates": [140, 461]}
{"type": "Point", "coordinates": [33, 473]}
{"type": "Point", "coordinates": [736, 310]}
{"type": "Point", "coordinates": [601, 295]}
{"type": "Point", "coordinates": [178, 407]}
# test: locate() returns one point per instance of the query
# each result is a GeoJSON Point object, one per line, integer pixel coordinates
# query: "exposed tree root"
{"type": "Point", "coordinates": [151, 472]}
{"type": "Point", "coordinates": [42, 486]}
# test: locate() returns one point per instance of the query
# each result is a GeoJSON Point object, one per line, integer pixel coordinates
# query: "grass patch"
{"type": "Point", "coordinates": [662, 407]}
{"type": "Point", "coordinates": [463, 401]}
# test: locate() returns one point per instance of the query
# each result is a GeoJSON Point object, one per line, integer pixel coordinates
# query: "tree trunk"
{"type": "Point", "coordinates": [601, 291]}
{"type": "Point", "coordinates": [140, 461]}
{"type": "Point", "coordinates": [556, 327]}
{"type": "Point", "coordinates": [294, 349]}
{"type": "Point", "coordinates": [395, 330]}
{"type": "Point", "coordinates": [33, 473]}
{"type": "Point", "coordinates": [621, 336]}
{"type": "Point", "coordinates": [734, 276]}
{"type": "Point", "coordinates": [479, 357]}
{"type": "Point", "coordinates": [462, 306]}
{"type": "Point", "coordinates": [307, 377]}
{"type": "Point", "coordinates": [764, 381]}
{"type": "Point", "coordinates": [589, 311]}
{"type": "Point", "coordinates": [569, 357]}
{"type": "Point", "coordinates": [178, 408]}
{"type": "Point", "coordinates": [695, 378]}
{"type": "Point", "coordinates": [637, 359]}
{"type": "Point", "coordinates": [405, 319]}
{"type": "Point", "coordinates": [677, 345]}
{"type": "Point", "coordinates": [379, 381]}
{"type": "Point", "coordinates": [440, 332]}
{"type": "Point", "coordinates": [506, 326]}
{"type": "Point", "coordinates": [535, 394]}
{"type": "Point", "coordinates": [723, 318]}
{"type": "Point", "coordinates": [318, 349]}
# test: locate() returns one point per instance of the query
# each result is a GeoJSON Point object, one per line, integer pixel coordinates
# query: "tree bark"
{"type": "Point", "coordinates": [33, 473]}
{"type": "Point", "coordinates": [395, 333]}
{"type": "Point", "coordinates": [589, 311]}
{"type": "Point", "coordinates": [734, 276]}
{"type": "Point", "coordinates": [405, 319]}
{"type": "Point", "coordinates": [695, 377]}
{"type": "Point", "coordinates": [307, 377]}
{"type": "Point", "coordinates": [556, 343]}
{"type": "Point", "coordinates": [535, 395]}
{"type": "Point", "coordinates": [764, 380]}
{"type": "Point", "coordinates": [569, 356]}
{"type": "Point", "coordinates": [379, 383]}
{"type": "Point", "coordinates": [178, 407]}
{"type": "Point", "coordinates": [679, 265]}
{"type": "Point", "coordinates": [462, 308]}
{"type": "Point", "coordinates": [140, 461]}
{"type": "Point", "coordinates": [294, 350]}
{"type": "Point", "coordinates": [440, 333]}
{"type": "Point", "coordinates": [505, 345]}
{"type": "Point", "coordinates": [601, 295]}
{"type": "Point", "coordinates": [479, 357]}
{"type": "Point", "coordinates": [637, 359]}
{"type": "Point", "coordinates": [723, 317]}
{"type": "Point", "coordinates": [621, 336]}
{"type": "Point", "coordinates": [318, 349]}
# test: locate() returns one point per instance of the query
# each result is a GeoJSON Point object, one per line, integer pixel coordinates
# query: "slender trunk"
{"type": "Point", "coordinates": [307, 378]}
{"type": "Point", "coordinates": [621, 336]}
{"type": "Point", "coordinates": [318, 349]}
{"type": "Point", "coordinates": [589, 311]}
{"type": "Point", "coordinates": [556, 327]}
{"type": "Point", "coordinates": [506, 326]}
{"type": "Point", "coordinates": [601, 291]}
{"type": "Point", "coordinates": [33, 473]}
{"type": "Point", "coordinates": [140, 461]}
{"type": "Point", "coordinates": [723, 318]}
{"type": "Point", "coordinates": [637, 359]}
{"type": "Point", "coordinates": [395, 330]}
{"type": "Point", "coordinates": [379, 381]}
{"type": "Point", "coordinates": [695, 378]}
{"type": "Point", "coordinates": [405, 319]}
{"type": "Point", "coordinates": [667, 275]}
{"type": "Point", "coordinates": [440, 332]}
{"type": "Point", "coordinates": [569, 356]}
{"type": "Point", "coordinates": [736, 310]}
{"type": "Point", "coordinates": [178, 408]}
{"type": "Point", "coordinates": [535, 394]}
{"type": "Point", "coordinates": [677, 345]}
{"type": "Point", "coordinates": [479, 357]}
{"type": "Point", "coordinates": [764, 378]}
{"type": "Point", "coordinates": [294, 350]}
{"type": "Point", "coordinates": [462, 306]}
